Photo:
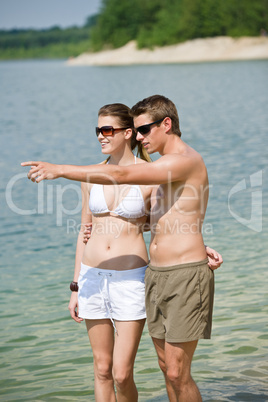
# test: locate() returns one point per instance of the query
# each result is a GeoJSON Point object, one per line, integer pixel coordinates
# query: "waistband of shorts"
{"type": "Point", "coordinates": [194, 264]}
{"type": "Point", "coordinates": [114, 272]}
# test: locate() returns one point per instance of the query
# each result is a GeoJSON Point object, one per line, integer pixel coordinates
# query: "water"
{"type": "Point", "coordinates": [48, 111]}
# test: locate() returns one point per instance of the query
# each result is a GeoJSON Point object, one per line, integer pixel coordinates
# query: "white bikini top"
{"type": "Point", "coordinates": [131, 206]}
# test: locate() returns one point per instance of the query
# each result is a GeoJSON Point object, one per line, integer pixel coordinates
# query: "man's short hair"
{"type": "Point", "coordinates": [158, 107]}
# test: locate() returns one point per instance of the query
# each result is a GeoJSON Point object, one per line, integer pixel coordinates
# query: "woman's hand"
{"type": "Point", "coordinates": [87, 232]}
{"type": "Point", "coordinates": [42, 171]}
{"type": "Point", "coordinates": [73, 307]}
{"type": "Point", "coordinates": [214, 258]}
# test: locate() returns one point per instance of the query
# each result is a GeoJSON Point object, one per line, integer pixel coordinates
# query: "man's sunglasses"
{"type": "Point", "coordinates": [108, 130]}
{"type": "Point", "coordinates": [146, 128]}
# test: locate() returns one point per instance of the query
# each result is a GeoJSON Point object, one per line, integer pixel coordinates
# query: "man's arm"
{"type": "Point", "coordinates": [168, 168]}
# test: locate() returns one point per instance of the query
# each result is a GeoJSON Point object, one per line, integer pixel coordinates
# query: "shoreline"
{"type": "Point", "coordinates": [221, 48]}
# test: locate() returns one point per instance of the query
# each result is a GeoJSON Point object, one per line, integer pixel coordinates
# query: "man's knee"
{"type": "Point", "coordinates": [178, 362]}
{"type": "Point", "coordinates": [179, 374]}
{"type": "Point", "coordinates": [175, 375]}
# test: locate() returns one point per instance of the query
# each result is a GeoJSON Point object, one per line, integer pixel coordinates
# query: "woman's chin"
{"type": "Point", "coordinates": [105, 152]}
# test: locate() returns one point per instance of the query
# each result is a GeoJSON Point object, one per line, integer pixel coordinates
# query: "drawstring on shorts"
{"type": "Point", "coordinates": [104, 291]}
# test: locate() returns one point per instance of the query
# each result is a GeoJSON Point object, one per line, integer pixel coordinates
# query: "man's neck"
{"type": "Point", "coordinates": [173, 144]}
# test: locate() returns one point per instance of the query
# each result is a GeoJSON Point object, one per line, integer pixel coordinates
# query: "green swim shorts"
{"type": "Point", "coordinates": [179, 301]}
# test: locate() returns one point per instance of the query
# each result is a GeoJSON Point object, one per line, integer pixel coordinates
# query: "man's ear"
{"type": "Point", "coordinates": [128, 133]}
{"type": "Point", "coordinates": [167, 124]}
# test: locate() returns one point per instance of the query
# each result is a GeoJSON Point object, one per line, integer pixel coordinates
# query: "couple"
{"type": "Point", "coordinates": [119, 197]}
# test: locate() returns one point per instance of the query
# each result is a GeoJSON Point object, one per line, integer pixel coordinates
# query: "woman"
{"type": "Point", "coordinates": [110, 268]}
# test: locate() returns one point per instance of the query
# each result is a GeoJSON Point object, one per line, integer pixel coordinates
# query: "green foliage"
{"type": "Point", "coordinates": [91, 21]}
{"type": "Point", "coordinates": [52, 51]}
{"type": "Point", "coordinates": [117, 23]}
{"type": "Point", "coordinates": [157, 23]}
{"type": "Point", "coordinates": [50, 43]}
{"type": "Point", "coordinates": [164, 30]}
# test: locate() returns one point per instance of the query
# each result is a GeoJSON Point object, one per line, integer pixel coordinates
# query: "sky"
{"type": "Point", "coordinates": [40, 14]}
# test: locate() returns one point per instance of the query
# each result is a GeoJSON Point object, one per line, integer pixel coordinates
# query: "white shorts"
{"type": "Point", "coordinates": [118, 295]}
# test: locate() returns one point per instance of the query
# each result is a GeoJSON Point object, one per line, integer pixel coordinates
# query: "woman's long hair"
{"type": "Point", "coordinates": [122, 113]}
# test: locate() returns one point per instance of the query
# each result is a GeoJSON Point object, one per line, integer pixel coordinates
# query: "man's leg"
{"type": "Point", "coordinates": [178, 358]}
{"type": "Point", "coordinates": [175, 361]}
{"type": "Point", "coordinates": [159, 345]}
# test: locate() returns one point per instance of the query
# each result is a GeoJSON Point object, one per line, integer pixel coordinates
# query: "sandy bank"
{"type": "Point", "coordinates": [197, 50]}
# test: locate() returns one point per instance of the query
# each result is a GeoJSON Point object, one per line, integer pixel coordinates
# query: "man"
{"type": "Point", "coordinates": [179, 283]}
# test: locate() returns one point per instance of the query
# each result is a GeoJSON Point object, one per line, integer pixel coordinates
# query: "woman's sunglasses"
{"type": "Point", "coordinates": [108, 130]}
{"type": "Point", "coordinates": [146, 128]}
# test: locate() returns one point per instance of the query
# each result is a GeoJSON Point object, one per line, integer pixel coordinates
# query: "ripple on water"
{"type": "Point", "coordinates": [23, 339]}
{"type": "Point", "coordinates": [248, 397]}
{"type": "Point", "coordinates": [243, 350]}
{"type": "Point", "coordinates": [253, 373]}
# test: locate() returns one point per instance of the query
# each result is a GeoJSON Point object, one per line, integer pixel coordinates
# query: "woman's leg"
{"type": "Point", "coordinates": [125, 348]}
{"type": "Point", "coordinates": [101, 336]}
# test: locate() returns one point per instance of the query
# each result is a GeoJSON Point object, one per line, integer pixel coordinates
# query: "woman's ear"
{"type": "Point", "coordinates": [128, 133]}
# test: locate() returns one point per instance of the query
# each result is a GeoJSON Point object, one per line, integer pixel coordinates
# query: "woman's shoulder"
{"type": "Point", "coordinates": [86, 187]}
{"type": "Point", "coordinates": [139, 160]}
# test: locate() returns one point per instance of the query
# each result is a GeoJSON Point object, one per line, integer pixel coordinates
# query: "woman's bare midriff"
{"type": "Point", "coordinates": [116, 243]}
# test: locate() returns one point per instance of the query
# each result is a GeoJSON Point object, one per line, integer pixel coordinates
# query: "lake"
{"type": "Point", "coordinates": [48, 112]}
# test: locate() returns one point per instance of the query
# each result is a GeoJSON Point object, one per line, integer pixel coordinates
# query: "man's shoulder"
{"type": "Point", "coordinates": [189, 155]}
{"type": "Point", "coordinates": [184, 165]}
